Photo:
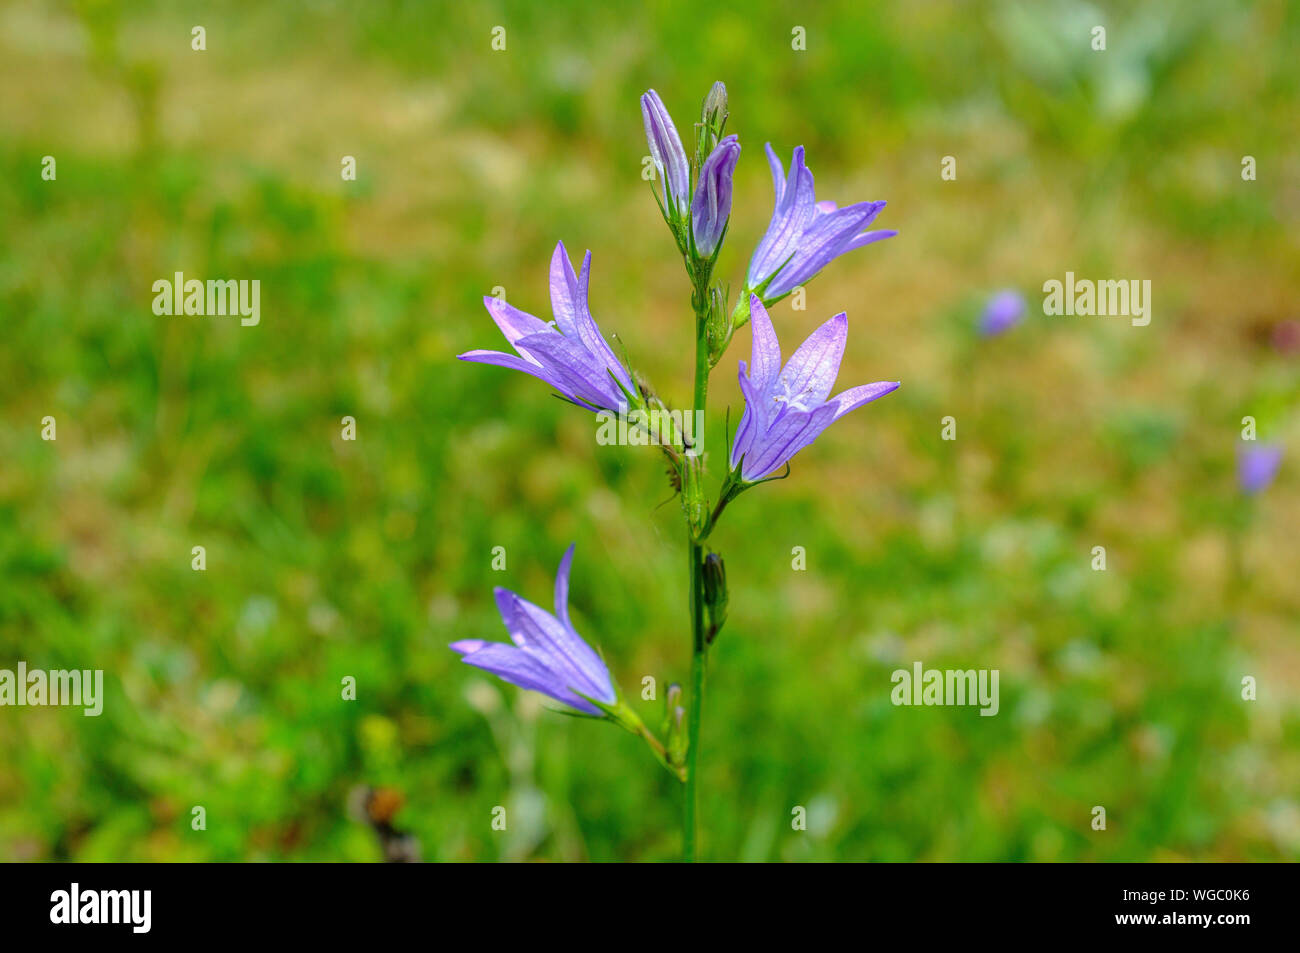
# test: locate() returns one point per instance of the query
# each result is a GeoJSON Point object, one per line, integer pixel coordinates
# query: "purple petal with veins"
{"type": "Point", "coordinates": [711, 206]}
{"type": "Point", "coordinates": [571, 355]}
{"type": "Point", "coordinates": [548, 655]}
{"type": "Point", "coordinates": [805, 235]}
{"type": "Point", "coordinates": [787, 409]}
{"type": "Point", "coordinates": [666, 150]}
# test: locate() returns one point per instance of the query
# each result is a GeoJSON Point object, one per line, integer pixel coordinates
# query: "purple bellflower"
{"type": "Point", "coordinates": [1003, 312]}
{"type": "Point", "coordinates": [787, 408]}
{"type": "Point", "coordinates": [1257, 466]}
{"type": "Point", "coordinates": [670, 160]}
{"type": "Point", "coordinates": [547, 656]}
{"type": "Point", "coordinates": [711, 206]}
{"type": "Point", "coordinates": [573, 357]}
{"type": "Point", "coordinates": [805, 235]}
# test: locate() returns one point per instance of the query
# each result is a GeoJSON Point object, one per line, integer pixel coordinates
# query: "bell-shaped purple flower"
{"type": "Point", "coordinates": [805, 235]}
{"type": "Point", "coordinates": [547, 656]}
{"type": "Point", "coordinates": [711, 206]}
{"type": "Point", "coordinates": [1257, 466]}
{"type": "Point", "coordinates": [1002, 313]}
{"type": "Point", "coordinates": [570, 355]}
{"type": "Point", "coordinates": [669, 157]}
{"type": "Point", "coordinates": [787, 408]}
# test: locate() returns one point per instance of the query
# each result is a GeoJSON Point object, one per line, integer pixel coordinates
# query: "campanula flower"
{"type": "Point", "coordinates": [669, 157]}
{"type": "Point", "coordinates": [1257, 466]}
{"type": "Point", "coordinates": [1002, 313]}
{"type": "Point", "coordinates": [548, 655]}
{"type": "Point", "coordinates": [711, 206]}
{"type": "Point", "coordinates": [787, 408]}
{"type": "Point", "coordinates": [573, 357]}
{"type": "Point", "coordinates": [805, 235]}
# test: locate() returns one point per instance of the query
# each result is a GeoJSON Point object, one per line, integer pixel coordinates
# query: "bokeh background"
{"type": "Point", "coordinates": [329, 558]}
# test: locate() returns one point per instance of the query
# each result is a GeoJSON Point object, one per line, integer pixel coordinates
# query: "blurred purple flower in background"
{"type": "Point", "coordinates": [573, 358]}
{"type": "Point", "coordinates": [786, 408]}
{"type": "Point", "coordinates": [1286, 336]}
{"type": "Point", "coordinates": [1003, 312]}
{"type": "Point", "coordinates": [1257, 466]}
{"type": "Point", "coordinates": [805, 235]}
{"type": "Point", "coordinates": [670, 160]}
{"type": "Point", "coordinates": [711, 206]}
{"type": "Point", "coordinates": [547, 656]}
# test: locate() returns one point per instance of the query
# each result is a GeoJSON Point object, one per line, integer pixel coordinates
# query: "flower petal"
{"type": "Point", "coordinates": [587, 658]}
{"type": "Point", "coordinates": [744, 433]}
{"type": "Point", "coordinates": [573, 314]}
{"type": "Point", "coordinates": [786, 437]}
{"type": "Point", "coordinates": [778, 171]}
{"type": "Point", "coordinates": [868, 238]}
{"type": "Point", "coordinates": [810, 373]}
{"type": "Point", "coordinates": [821, 418]}
{"type": "Point", "coordinates": [825, 239]}
{"type": "Point", "coordinates": [589, 332]}
{"type": "Point", "coordinates": [524, 669]}
{"type": "Point", "coordinates": [513, 323]}
{"type": "Point", "coordinates": [499, 359]}
{"type": "Point", "coordinates": [765, 355]}
{"type": "Point", "coordinates": [582, 375]}
{"type": "Point", "coordinates": [564, 291]}
{"type": "Point", "coordinates": [855, 397]}
{"type": "Point", "coordinates": [465, 646]}
{"type": "Point", "coordinates": [793, 210]}
{"type": "Point", "coordinates": [562, 587]}
{"type": "Point", "coordinates": [541, 634]}
{"type": "Point", "coordinates": [506, 605]}
{"type": "Point", "coordinates": [752, 421]}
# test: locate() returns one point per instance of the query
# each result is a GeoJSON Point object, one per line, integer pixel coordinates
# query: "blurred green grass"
{"type": "Point", "coordinates": [328, 558]}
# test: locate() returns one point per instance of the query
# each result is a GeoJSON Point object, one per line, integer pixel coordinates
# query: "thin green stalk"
{"type": "Point", "coordinates": [694, 552]}
{"type": "Point", "coordinates": [696, 703]}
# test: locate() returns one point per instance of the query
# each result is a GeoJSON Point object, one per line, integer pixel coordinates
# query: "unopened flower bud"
{"type": "Point", "coordinates": [715, 593]}
{"type": "Point", "coordinates": [711, 206]}
{"type": "Point", "coordinates": [713, 119]}
{"type": "Point", "coordinates": [669, 157]}
{"type": "Point", "coordinates": [672, 703]}
{"type": "Point", "coordinates": [719, 323]}
{"type": "Point", "coordinates": [677, 736]}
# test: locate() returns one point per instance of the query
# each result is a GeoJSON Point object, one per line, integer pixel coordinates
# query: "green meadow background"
{"type": "Point", "coordinates": [327, 558]}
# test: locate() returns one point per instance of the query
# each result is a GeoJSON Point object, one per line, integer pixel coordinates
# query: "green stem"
{"type": "Point", "coordinates": [697, 702]}
{"type": "Point", "coordinates": [695, 554]}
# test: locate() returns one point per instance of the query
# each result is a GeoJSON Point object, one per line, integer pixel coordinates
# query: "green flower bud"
{"type": "Point", "coordinates": [713, 119]}
{"type": "Point", "coordinates": [718, 323]}
{"type": "Point", "coordinates": [672, 702]}
{"type": "Point", "coordinates": [677, 736]}
{"type": "Point", "coordinates": [715, 594]}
